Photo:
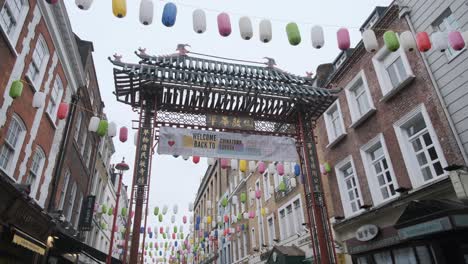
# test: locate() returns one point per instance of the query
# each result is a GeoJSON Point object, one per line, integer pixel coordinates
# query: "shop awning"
{"type": "Point", "coordinates": [285, 254]}
{"type": "Point", "coordinates": [424, 217]}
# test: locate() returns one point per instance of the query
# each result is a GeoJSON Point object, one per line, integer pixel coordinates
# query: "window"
{"type": "Point", "coordinates": [446, 22]}
{"type": "Point", "coordinates": [266, 186]}
{"type": "Point", "coordinates": [359, 99]}
{"type": "Point", "coordinates": [253, 238]}
{"type": "Point", "coordinates": [9, 152]}
{"type": "Point", "coordinates": [244, 243]}
{"type": "Point", "coordinates": [38, 63]}
{"type": "Point", "coordinates": [78, 210]}
{"type": "Point", "coordinates": [83, 141]}
{"type": "Point", "coordinates": [298, 215]}
{"type": "Point", "coordinates": [70, 203]}
{"type": "Point", "coordinates": [348, 184]}
{"type": "Point", "coordinates": [12, 16]}
{"type": "Point", "coordinates": [420, 147]}
{"type": "Point", "coordinates": [63, 191]}
{"type": "Point", "coordinates": [79, 120]}
{"type": "Point", "coordinates": [87, 154]}
{"type": "Point", "coordinates": [379, 170]}
{"type": "Point", "coordinates": [291, 218]}
{"type": "Point", "coordinates": [271, 230]}
{"type": "Point", "coordinates": [35, 170]}
{"type": "Point", "coordinates": [334, 123]}
{"type": "Point", "coordinates": [393, 71]}
{"type": "Point", "coordinates": [55, 97]}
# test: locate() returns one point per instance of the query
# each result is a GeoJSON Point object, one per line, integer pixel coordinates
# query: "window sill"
{"type": "Point", "coordinates": [51, 120]}
{"type": "Point", "coordinates": [363, 118]}
{"type": "Point", "coordinates": [395, 90]}
{"type": "Point", "coordinates": [429, 183]}
{"type": "Point", "coordinates": [336, 140]}
{"type": "Point", "coordinates": [9, 42]}
{"type": "Point", "coordinates": [31, 83]}
{"type": "Point", "coordinates": [453, 57]}
{"type": "Point", "coordinates": [8, 173]}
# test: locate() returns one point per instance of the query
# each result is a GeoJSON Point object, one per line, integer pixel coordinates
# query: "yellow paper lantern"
{"type": "Point", "coordinates": [243, 165]}
{"type": "Point", "coordinates": [119, 8]}
{"type": "Point", "coordinates": [262, 211]}
{"type": "Point", "coordinates": [208, 219]}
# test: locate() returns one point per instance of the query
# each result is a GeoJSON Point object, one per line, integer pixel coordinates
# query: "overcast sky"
{"type": "Point", "coordinates": [174, 180]}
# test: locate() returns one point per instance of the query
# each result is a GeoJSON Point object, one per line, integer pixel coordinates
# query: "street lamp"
{"type": "Point", "coordinates": [121, 167]}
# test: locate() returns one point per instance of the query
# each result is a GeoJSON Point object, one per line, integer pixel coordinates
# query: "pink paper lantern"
{"type": "Point", "coordinates": [258, 194]}
{"type": "Point", "coordinates": [261, 167]}
{"type": "Point", "coordinates": [224, 163]}
{"type": "Point", "coordinates": [344, 41]}
{"type": "Point", "coordinates": [123, 134]}
{"type": "Point", "coordinates": [196, 159]}
{"type": "Point", "coordinates": [173, 236]}
{"type": "Point", "coordinates": [224, 24]}
{"type": "Point", "coordinates": [161, 230]}
{"type": "Point", "coordinates": [252, 214]}
{"type": "Point", "coordinates": [280, 168]}
{"type": "Point", "coordinates": [456, 40]}
{"type": "Point", "coordinates": [184, 219]}
{"type": "Point", "coordinates": [132, 214]}
{"type": "Point", "coordinates": [226, 219]}
{"type": "Point", "coordinates": [62, 111]}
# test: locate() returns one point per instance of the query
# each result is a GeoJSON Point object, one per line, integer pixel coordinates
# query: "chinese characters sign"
{"type": "Point", "coordinates": [232, 122]}
{"type": "Point", "coordinates": [144, 154]}
{"type": "Point", "coordinates": [86, 217]}
{"type": "Point", "coordinates": [213, 144]}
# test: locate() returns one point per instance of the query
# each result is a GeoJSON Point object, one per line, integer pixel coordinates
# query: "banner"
{"type": "Point", "coordinates": [87, 211]}
{"type": "Point", "coordinates": [213, 144]}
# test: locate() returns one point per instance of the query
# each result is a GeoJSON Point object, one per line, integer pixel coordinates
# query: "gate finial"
{"type": "Point", "coordinates": [182, 50]}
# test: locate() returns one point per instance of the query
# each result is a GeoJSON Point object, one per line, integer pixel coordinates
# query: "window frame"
{"type": "Point", "coordinates": [12, 39]}
{"type": "Point", "coordinates": [380, 65]}
{"type": "Point", "coordinates": [345, 202]}
{"type": "Point", "coordinates": [64, 190]}
{"type": "Point", "coordinates": [38, 174]}
{"type": "Point", "coordinates": [287, 221]}
{"type": "Point", "coordinates": [54, 102]}
{"type": "Point", "coordinates": [450, 53]}
{"type": "Point", "coordinates": [16, 149]}
{"type": "Point", "coordinates": [78, 125]}
{"type": "Point", "coordinates": [332, 138]}
{"type": "Point", "coordinates": [266, 186]}
{"type": "Point", "coordinates": [412, 165]}
{"type": "Point", "coordinates": [374, 186]}
{"type": "Point", "coordinates": [271, 235]}
{"type": "Point", "coordinates": [37, 79]}
{"type": "Point", "coordinates": [71, 202]}
{"type": "Point", "coordinates": [356, 117]}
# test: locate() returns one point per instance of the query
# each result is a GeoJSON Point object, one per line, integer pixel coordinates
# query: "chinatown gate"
{"type": "Point", "coordinates": [181, 91]}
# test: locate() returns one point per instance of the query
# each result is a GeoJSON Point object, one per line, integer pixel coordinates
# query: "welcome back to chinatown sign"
{"type": "Point", "coordinates": [212, 144]}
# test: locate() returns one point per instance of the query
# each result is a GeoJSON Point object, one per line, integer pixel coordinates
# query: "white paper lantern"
{"type": "Point", "coordinates": [252, 195]}
{"type": "Point", "coordinates": [190, 207]}
{"type": "Point", "coordinates": [271, 168]}
{"type": "Point", "coordinates": [112, 129]}
{"type": "Point", "coordinates": [407, 41]}
{"type": "Point", "coordinates": [213, 224]}
{"type": "Point", "coordinates": [167, 229]}
{"type": "Point", "coordinates": [235, 200]}
{"type": "Point", "coordinates": [208, 204]}
{"type": "Point", "coordinates": [370, 40]}
{"type": "Point", "coordinates": [293, 182]}
{"type": "Point", "coordinates": [205, 219]}
{"type": "Point", "coordinates": [175, 209]}
{"type": "Point", "coordinates": [211, 161]}
{"type": "Point", "coordinates": [440, 41]}
{"type": "Point", "coordinates": [246, 216]}
{"type": "Point", "coordinates": [146, 12]}
{"type": "Point", "coordinates": [185, 157]}
{"type": "Point", "coordinates": [317, 36]}
{"type": "Point", "coordinates": [173, 219]}
{"type": "Point", "coordinates": [271, 189]}
{"type": "Point", "coordinates": [245, 27]}
{"type": "Point", "coordinates": [252, 166]}
{"type": "Point", "coordinates": [287, 168]}
{"type": "Point", "coordinates": [266, 33]}
{"type": "Point", "coordinates": [164, 210]}
{"type": "Point", "coordinates": [83, 4]}
{"type": "Point", "coordinates": [234, 218]}
{"type": "Point", "coordinates": [219, 219]}
{"type": "Point", "coordinates": [234, 164]}
{"type": "Point", "coordinates": [93, 124]}
{"type": "Point", "coordinates": [38, 100]}
{"type": "Point", "coordinates": [199, 21]}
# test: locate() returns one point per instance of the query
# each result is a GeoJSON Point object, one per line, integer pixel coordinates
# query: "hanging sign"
{"type": "Point", "coordinates": [233, 122]}
{"type": "Point", "coordinates": [143, 156]}
{"type": "Point", "coordinates": [87, 211]}
{"type": "Point", "coordinates": [214, 144]}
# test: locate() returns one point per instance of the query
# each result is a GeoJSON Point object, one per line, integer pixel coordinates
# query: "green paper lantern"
{"type": "Point", "coordinates": [243, 197]}
{"type": "Point", "coordinates": [294, 36]}
{"type": "Point", "coordinates": [102, 128]}
{"type": "Point", "coordinates": [124, 211]}
{"type": "Point", "coordinates": [160, 217]}
{"type": "Point", "coordinates": [224, 202]}
{"type": "Point", "coordinates": [175, 229]}
{"type": "Point", "coordinates": [327, 167]}
{"type": "Point", "coordinates": [104, 209]}
{"type": "Point", "coordinates": [110, 211]}
{"type": "Point", "coordinates": [239, 217]}
{"type": "Point", "coordinates": [156, 210]}
{"type": "Point", "coordinates": [16, 89]}
{"type": "Point", "coordinates": [391, 41]}
{"type": "Point", "coordinates": [282, 186]}
{"type": "Point", "coordinates": [164, 235]}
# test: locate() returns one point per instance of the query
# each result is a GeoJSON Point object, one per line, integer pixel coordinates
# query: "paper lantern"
{"type": "Point", "coordinates": [110, 211]}
{"type": "Point", "coordinates": [226, 219]}
{"type": "Point", "coordinates": [344, 40]}
{"type": "Point", "coordinates": [327, 167]}
{"type": "Point", "coordinates": [243, 165]}
{"type": "Point", "coordinates": [210, 161]}
{"type": "Point", "coordinates": [93, 124]}
{"type": "Point", "coordinates": [252, 214]}
{"type": "Point", "coordinates": [245, 27]}
{"type": "Point", "coordinates": [164, 210]}
{"type": "Point", "coordinates": [456, 40]}
{"type": "Point", "coordinates": [175, 209]}
{"type": "Point", "coordinates": [38, 99]}
{"type": "Point", "coordinates": [440, 41]}
{"type": "Point", "coordinates": [169, 14]}
{"type": "Point", "coordinates": [322, 169]}
{"type": "Point", "coordinates": [293, 182]}
{"type": "Point", "coordinates": [199, 21]}
{"type": "Point", "coordinates": [423, 41]}
{"type": "Point", "coordinates": [261, 167]}
{"type": "Point", "coordinates": [124, 211]}
{"type": "Point", "coordinates": [294, 36]}
{"type": "Point", "coordinates": [16, 89]}
{"type": "Point", "coordinates": [119, 8]}
{"type": "Point", "coordinates": [234, 200]}
{"type": "Point", "coordinates": [146, 12]}
{"type": "Point", "coordinates": [262, 211]}
{"type": "Point", "coordinates": [175, 229]}
{"type": "Point", "coordinates": [62, 111]}
{"type": "Point", "coordinates": [208, 220]}
{"type": "Point", "coordinates": [407, 41]}
{"type": "Point", "coordinates": [266, 33]}
{"type": "Point", "coordinates": [258, 194]}
{"type": "Point", "coordinates": [251, 195]}
{"type": "Point", "coordinates": [370, 40]}
{"type": "Point", "coordinates": [102, 128]}
{"type": "Point", "coordinates": [83, 4]}
{"type": "Point", "coordinates": [156, 210]}
{"type": "Point", "coordinates": [112, 129]}
{"type": "Point", "coordinates": [391, 41]}
{"type": "Point", "coordinates": [297, 169]}
{"type": "Point", "coordinates": [280, 168]}
{"type": "Point", "coordinates": [243, 197]}
{"type": "Point", "coordinates": [224, 202]}
{"type": "Point", "coordinates": [252, 166]}
{"type": "Point", "coordinates": [271, 168]}
{"type": "Point", "coordinates": [282, 186]}
{"type": "Point", "coordinates": [173, 219]}
{"type": "Point", "coordinates": [224, 24]}
{"type": "Point", "coordinates": [160, 217]}
{"type": "Point", "coordinates": [317, 37]}
{"type": "Point", "coordinates": [224, 163]}
{"type": "Point", "coordinates": [234, 164]}
{"type": "Point", "coordinates": [184, 219]}
{"type": "Point", "coordinates": [246, 215]}
{"type": "Point", "coordinates": [287, 168]}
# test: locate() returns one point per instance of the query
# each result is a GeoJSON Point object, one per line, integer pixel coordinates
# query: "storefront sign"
{"type": "Point", "coordinates": [340, 258]}
{"type": "Point", "coordinates": [144, 155]}
{"type": "Point", "coordinates": [233, 122]}
{"type": "Point", "coordinates": [28, 243]}
{"type": "Point", "coordinates": [87, 211]}
{"type": "Point", "coordinates": [429, 227]}
{"type": "Point", "coordinates": [213, 144]}
{"type": "Point", "coordinates": [385, 242]}
{"type": "Point", "coordinates": [367, 232]}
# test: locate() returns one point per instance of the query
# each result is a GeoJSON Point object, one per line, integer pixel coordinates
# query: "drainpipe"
{"type": "Point", "coordinates": [404, 12]}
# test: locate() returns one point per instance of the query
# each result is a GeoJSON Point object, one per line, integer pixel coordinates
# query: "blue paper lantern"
{"type": "Point", "coordinates": [198, 220]}
{"type": "Point", "coordinates": [169, 14]}
{"type": "Point", "coordinates": [175, 243]}
{"type": "Point", "coordinates": [151, 235]}
{"type": "Point", "coordinates": [243, 227]}
{"type": "Point", "coordinates": [142, 230]}
{"type": "Point", "coordinates": [297, 170]}
{"type": "Point", "coordinates": [224, 240]}
{"type": "Point", "coordinates": [197, 227]}
{"type": "Point", "coordinates": [160, 253]}
{"type": "Point", "coordinates": [207, 234]}
{"type": "Point", "coordinates": [216, 233]}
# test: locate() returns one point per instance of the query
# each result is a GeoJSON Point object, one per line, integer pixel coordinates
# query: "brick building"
{"type": "Point", "coordinates": [385, 143]}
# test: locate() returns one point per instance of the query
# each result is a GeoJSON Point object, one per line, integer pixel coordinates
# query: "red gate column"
{"type": "Point", "coordinates": [315, 200]}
